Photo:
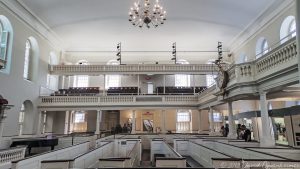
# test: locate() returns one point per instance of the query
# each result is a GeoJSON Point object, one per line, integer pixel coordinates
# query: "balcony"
{"type": "Point", "coordinates": [119, 102]}
{"type": "Point", "coordinates": [132, 69]}
{"type": "Point", "coordinates": [272, 72]}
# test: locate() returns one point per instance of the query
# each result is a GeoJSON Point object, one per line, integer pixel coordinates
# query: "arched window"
{"type": "Point", "coordinates": [262, 47]}
{"type": "Point", "coordinates": [243, 58]}
{"type": "Point", "coordinates": [6, 39]}
{"type": "Point", "coordinates": [288, 29]}
{"type": "Point", "coordinates": [182, 80]}
{"type": "Point", "coordinates": [292, 28]}
{"type": "Point", "coordinates": [81, 80]}
{"type": "Point", "coordinates": [112, 80]}
{"type": "Point", "coordinates": [27, 60]}
{"type": "Point", "coordinates": [31, 59]}
{"type": "Point", "coordinates": [184, 121]}
{"type": "Point", "coordinates": [21, 119]}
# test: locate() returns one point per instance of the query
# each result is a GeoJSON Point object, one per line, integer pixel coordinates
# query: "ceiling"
{"type": "Point", "coordinates": [98, 25]}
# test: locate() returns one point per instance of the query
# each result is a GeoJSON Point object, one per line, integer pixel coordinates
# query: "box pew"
{"type": "Point", "coordinates": [290, 153]}
{"type": "Point", "coordinates": [67, 141]}
{"type": "Point", "coordinates": [131, 159]}
{"type": "Point", "coordinates": [86, 160]}
{"type": "Point", "coordinates": [255, 163]}
{"type": "Point", "coordinates": [239, 152]}
{"type": "Point", "coordinates": [34, 162]}
{"type": "Point", "coordinates": [163, 155]}
{"type": "Point", "coordinates": [202, 154]}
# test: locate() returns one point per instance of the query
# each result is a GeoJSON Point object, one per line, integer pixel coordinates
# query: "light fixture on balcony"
{"type": "Point", "coordinates": [142, 13]}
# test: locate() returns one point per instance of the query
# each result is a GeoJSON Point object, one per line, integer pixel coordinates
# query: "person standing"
{"type": "Point", "coordinates": [247, 133]}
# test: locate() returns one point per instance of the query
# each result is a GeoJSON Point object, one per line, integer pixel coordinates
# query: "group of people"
{"type": "Point", "coordinates": [127, 128]}
{"type": "Point", "coordinates": [241, 131]}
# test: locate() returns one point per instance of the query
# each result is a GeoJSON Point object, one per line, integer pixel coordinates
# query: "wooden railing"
{"type": "Point", "coordinates": [12, 154]}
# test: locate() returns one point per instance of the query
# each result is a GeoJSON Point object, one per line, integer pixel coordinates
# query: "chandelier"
{"type": "Point", "coordinates": [142, 14]}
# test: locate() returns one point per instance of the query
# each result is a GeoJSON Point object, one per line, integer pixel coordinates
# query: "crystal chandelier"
{"type": "Point", "coordinates": [142, 14]}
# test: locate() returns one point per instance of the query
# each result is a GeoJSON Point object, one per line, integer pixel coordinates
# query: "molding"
{"type": "Point", "coordinates": [264, 19]}
{"type": "Point", "coordinates": [25, 15]}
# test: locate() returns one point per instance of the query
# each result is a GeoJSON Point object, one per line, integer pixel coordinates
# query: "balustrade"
{"type": "Point", "coordinates": [12, 154]}
{"type": "Point", "coordinates": [138, 69]}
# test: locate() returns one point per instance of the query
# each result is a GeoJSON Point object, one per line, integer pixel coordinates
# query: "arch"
{"type": "Point", "coordinates": [112, 80]}
{"type": "Point", "coordinates": [262, 47]}
{"type": "Point", "coordinates": [31, 59]}
{"type": "Point", "coordinates": [6, 43]}
{"type": "Point", "coordinates": [24, 117]}
{"type": "Point", "coordinates": [288, 29]}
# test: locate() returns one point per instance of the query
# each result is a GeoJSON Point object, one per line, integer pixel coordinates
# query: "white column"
{"type": "Point", "coordinates": [164, 84]}
{"type": "Point", "coordinates": [2, 118]}
{"type": "Point", "coordinates": [104, 83]}
{"type": "Point", "coordinates": [98, 121]}
{"type": "Point", "coordinates": [298, 29]}
{"type": "Point", "coordinates": [211, 124]}
{"type": "Point", "coordinates": [163, 121]}
{"type": "Point", "coordinates": [133, 122]}
{"type": "Point", "coordinates": [200, 121]}
{"type": "Point", "coordinates": [232, 128]}
{"type": "Point", "coordinates": [194, 84]}
{"type": "Point", "coordinates": [63, 82]}
{"type": "Point", "coordinates": [138, 77]}
{"type": "Point", "coordinates": [39, 124]}
{"type": "Point", "coordinates": [266, 137]}
{"type": "Point", "coordinates": [67, 117]}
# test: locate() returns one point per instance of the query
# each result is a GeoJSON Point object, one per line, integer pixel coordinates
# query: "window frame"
{"type": "Point", "coordinates": [182, 80]}
{"type": "Point", "coordinates": [27, 59]}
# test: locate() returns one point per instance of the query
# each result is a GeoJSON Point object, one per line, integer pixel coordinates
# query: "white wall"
{"type": "Point", "coordinates": [13, 87]}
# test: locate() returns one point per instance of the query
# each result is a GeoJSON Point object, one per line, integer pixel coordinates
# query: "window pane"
{"type": "Point", "coordinates": [183, 117]}
{"type": "Point", "coordinates": [182, 80]}
{"type": "Point", "coordinates": [210, 80]}
{"type": "Point", "coordinates": [27, 60]}
{"type": "Point", "coordinates": [79, 117]}
{"type": "Point", "coordinates": [292, 29]}
{"type": "Point", "coordinates": [82, 81]}
{"type": "Point", "coordinates": [265, 47]}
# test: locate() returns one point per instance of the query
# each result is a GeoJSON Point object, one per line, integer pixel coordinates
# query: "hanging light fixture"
{"type": "Point", "coordinates": [142, 14]}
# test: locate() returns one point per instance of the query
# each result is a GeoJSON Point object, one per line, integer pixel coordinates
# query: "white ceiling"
{"type": "Point", "coordinates": [98, 25]}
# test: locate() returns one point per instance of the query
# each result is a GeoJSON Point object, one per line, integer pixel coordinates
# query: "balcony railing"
{"type": "Point", "coordinates": [94, 101]}
{"type": "Point", "coordinates": [133, 69]}
{"type": "Point", "coordinates": [12, 154]}
{"type": "Point", "coordinates": [279, 59]}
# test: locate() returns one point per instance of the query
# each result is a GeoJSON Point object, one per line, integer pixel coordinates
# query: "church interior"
{"type": "Point", "coordinates": [149, 84]}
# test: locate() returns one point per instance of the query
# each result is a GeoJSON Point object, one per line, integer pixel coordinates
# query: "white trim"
{"type": "Point", "coordinates": [23, 13]}
{"type": "Point", "coordinates": [264, 19]}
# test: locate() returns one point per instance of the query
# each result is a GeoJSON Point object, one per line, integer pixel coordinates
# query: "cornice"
{"type": "Point", "coordinates": [24, 14]}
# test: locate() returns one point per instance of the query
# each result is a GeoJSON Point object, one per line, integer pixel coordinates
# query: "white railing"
{"type": "Point", "coordinates": [12, 154]}
{"type": "Point", "coordinates": [280, 58]}
{"type": "Point", "coordinates": [133, 69]}
{"type": "Point", "coordinates": [114, 100]}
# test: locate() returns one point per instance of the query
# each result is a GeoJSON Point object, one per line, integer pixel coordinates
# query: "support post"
{"type": "Point", "coordinates": [133, 122]}
{"type": "Point", "coordinates": [211, 124]}
{"type": "Point", "coordinates": [98, 121]}
{"type": "Point", "coordinates": [164, 84]}
{"type": "Point", "coordinates": [163, 121]}
{"type": "Point", "coordinates": [232, 129]}
{"type": "Point", "coordinates": [267, 135]}
{"type": "Point", "coordinates": [104, 84]}
{"type": "Point", "coordinates": [67, 122]}
{"type": "Point", "coordinates": [200, 122]}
